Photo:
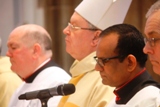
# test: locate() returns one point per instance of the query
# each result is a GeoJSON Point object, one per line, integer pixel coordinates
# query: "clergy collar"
{"type": "Point", "coordinates": [127, 91]}
{"type": "Point", "coordinates": [46, 65]}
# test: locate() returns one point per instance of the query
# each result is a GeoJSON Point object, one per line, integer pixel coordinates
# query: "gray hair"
{"type": "Point", "coordinates": [155, 7]}
{"type": "Point", "coordinates": [91, 25]}
{"type": "Point", "coordinates": [37, 34]}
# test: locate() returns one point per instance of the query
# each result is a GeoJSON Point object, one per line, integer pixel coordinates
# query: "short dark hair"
{"type": "Point", "coordinates": [130, 41]}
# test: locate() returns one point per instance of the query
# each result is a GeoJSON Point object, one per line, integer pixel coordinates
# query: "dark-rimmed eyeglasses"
{"type": "Point", "coordinates": [151, 41]}
{"type": "Point", "coordinates": [72, 28]}
{"type": "Point", "coordinates": [102, 61]}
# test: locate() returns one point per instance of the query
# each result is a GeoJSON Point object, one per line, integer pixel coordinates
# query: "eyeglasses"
{"type": "Point", "coordinates": [72, 28]}
{"type": "Point", "coordinates": [102, 61]}
{"type": "Point", "coordinates": [151, 41]}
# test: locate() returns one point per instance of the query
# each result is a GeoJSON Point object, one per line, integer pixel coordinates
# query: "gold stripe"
{"type": "Point", "coordinates": [63, 100]}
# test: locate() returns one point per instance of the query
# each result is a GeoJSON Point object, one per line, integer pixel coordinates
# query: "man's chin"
{"type": "Point", "coordinates": [156, 70]}
{"type": "Point", "coordinates": [104, 82]}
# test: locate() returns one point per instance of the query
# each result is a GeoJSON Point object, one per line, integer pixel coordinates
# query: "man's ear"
{"type": "Point", "coordinates": [96, 38]}
{"type": "Point", "coordinates": [36, 50]}
{"type": "Point", "coordinates": [131, 62]}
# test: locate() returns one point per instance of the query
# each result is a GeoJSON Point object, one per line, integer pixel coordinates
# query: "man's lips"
{"type": "Point", "coordinates": [66, 40]}
{"type": "Point", "coordinates": [102, 75]}
{"type": "Point", "coordinates": [154, 61]}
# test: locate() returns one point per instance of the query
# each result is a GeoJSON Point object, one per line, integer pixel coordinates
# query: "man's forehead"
{"type": "Point", "coordinates": [151, 30]}
{"type": "Point", "coordinates": [109, 41]}
{"type": "Point", "coordinates": [153, 33]}
{"type": "Point", "coordinates": [76, 18]}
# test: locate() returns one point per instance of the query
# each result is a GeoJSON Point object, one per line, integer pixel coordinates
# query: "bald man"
{"type": "Point", "coordinates": [30, 52]}
{"type": "Point", "coordinates": [9, 81]}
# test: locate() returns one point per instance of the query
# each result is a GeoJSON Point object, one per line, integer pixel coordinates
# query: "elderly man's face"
{"type": "Point", "coordinates": [152, 46]}
{"type": "Point", "coordinates": [78, 41]}
{"type": "Point", "coordinates": [19, 53]}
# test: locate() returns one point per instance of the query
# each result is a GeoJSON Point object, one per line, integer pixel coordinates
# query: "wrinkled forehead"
{"type": "Point", "coordinates": [153, 24]}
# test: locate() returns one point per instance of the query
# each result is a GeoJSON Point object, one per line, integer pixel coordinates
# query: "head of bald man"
{"type": "Point", "coordinates": [28, 47]}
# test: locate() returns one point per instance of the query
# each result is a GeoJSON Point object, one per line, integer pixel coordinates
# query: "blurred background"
{"type": "Point", "coordinates": [54, 16]}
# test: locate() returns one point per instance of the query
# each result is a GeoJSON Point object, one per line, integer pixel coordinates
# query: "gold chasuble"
{"type": "Point", "coordinates": [62, 102]}
{"type": "Point", "coordinates": [90, 92]}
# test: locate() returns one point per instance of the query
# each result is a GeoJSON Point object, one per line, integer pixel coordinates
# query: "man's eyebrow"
{"type": "Point", "coordinates": [11, 44]}
{"type": "Point", "coordinates": [152, 33]}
